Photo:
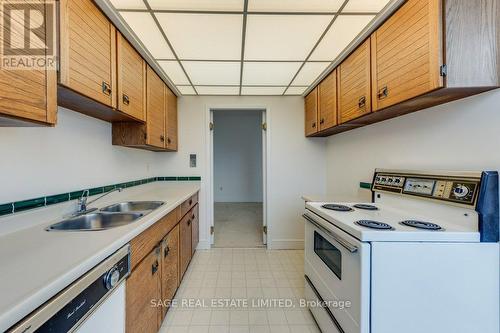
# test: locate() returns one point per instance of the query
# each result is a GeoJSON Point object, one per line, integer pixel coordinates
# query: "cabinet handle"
{"type": "Point", "coordinates": [362, 102]}
{"type": "Point", "coordinates": [383, 93]}
{"type": "Point", "coordinates": [314, 125]}
{"type": "Point", "coordinates": [162, 138]}
{"type": "Point", "coordinates": [322, 121]}
{"type": "Point", "coordinates": [154, 268]}
{"type": "Point", "coordinates": [169, 141]}
{"type": "Point", "coordinates": [166, 251]}
{"type": "Point", "coordinates": [190, 202]}
{"type": "Point", "coordinates": [106, 88]}
{"type": "Point", "coordinates": [192, 216]}
{"type": "Point", "coordinates": [126, 99]}
{"type": "Point", "coordinates": [189, 222]}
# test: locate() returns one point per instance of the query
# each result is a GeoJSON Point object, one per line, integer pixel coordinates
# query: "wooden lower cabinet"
{"type": "Point", "coordinates": [144, 285]}
{"type": "Point", "coordinates": [195, 228]}
{"type": "Point", "coordinates": [185, 244]}
{"type": "Point", "coordinates": [169, 267]}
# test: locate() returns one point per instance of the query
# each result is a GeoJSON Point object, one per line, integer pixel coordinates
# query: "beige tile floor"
{"type": "Point", "coordinates": [236, 275]}
{"type": "Point", "coordinates": [238, 224]}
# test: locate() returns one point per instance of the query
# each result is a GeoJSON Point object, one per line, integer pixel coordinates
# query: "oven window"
{"type": "Point", "coordinates": [330, 255]}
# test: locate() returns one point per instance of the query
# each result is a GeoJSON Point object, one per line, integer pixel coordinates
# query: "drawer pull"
{"type": "Point", "coordinates": [362, 102]}
{"type": "Point", "coordinates": [383, 93]}
{"type": "Point", "coordinates": [126, 99]}
{"type": "Point", "coordinates": [166, 251]}
{"type": "Point", "coordinates": [314, 125]}
{"type": "Point", "coordinates": [322, 121]}
{"type": "Point", "coordinates": [154, 268]}
{"type": "Point", "coordinates": [162, 138]}
{"type": "Point", "coordinates": [106, 88]}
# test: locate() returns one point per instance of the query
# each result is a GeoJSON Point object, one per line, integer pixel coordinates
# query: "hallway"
{"type": "Point", "coordinates": [238, 224]}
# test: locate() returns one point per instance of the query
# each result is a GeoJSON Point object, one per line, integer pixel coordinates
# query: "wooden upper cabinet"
{"type": "Point", "coordinates": [155, 109]}
{"type": "Point", "coordinates": [87, 51]}
{"type": "Point", "coordinates": [354, 84]}
{"type": "Point", "coordinates": [171, 119]}
{"type": "Point", "coordinates": [311, 112]}
{"type": "Point", "coordinates": [144, 285]}
{"type": "Point", "coordinates": [327, 106]}
{"type": "Point", "coordinates": [407, 53]}
{"type": "Point", "coordinates": [170, 266]}
{"type": "Point", "coordinates": [131, 76]}
{"type": "Point", "coordinates": [28, 96]}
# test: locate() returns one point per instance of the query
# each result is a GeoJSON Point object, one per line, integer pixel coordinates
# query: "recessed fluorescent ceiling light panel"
{"type": "Point", "coordinates": [221, 49]}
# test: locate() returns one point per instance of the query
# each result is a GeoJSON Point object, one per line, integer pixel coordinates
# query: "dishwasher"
{"type": "Point", "coordinates": [93, 303]}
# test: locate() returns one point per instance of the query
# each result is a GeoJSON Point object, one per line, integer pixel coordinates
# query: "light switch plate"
{"type": "Point", "coordinates": [192, 160]}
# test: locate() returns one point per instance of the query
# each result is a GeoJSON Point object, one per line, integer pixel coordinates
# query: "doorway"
{"type": "Point", "coordinates": [238, 187]}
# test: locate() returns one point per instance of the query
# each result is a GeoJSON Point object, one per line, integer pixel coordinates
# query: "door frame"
{"type": "Point", "coordinates": [209, 139]}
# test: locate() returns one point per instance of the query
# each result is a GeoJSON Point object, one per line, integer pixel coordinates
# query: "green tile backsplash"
{"type": "Point", "coordinates": [19, 206]}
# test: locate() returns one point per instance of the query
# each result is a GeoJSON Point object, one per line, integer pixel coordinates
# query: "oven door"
{"type": "Point", "coordinates": [338, 267]}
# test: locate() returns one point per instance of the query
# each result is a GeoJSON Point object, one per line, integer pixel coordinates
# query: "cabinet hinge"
{"type": "Point", "coordinates": [443, 70]}
{"type": "Point", "coordinates": [211, 126]}
{"type": "Point", "coordinates": [212, 230]}
{"type": "Point", "coordinates": [264, 126]}
{"type": "Point", "coordinates": [264, 229]}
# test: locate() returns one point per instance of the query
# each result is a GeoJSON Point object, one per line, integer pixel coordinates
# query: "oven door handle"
{"type": "Point", "coordinates": [351, 248]}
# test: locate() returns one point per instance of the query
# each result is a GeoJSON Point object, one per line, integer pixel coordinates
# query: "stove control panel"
{"type": "Point", "coordinates": [456, 189]}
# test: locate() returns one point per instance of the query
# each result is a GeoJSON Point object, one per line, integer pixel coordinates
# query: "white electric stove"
{"type": "Point", "coordinates": [423, 257]}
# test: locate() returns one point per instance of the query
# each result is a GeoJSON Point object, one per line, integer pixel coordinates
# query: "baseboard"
{"type": "Point", "coordinates": [285, 244]}
{"type": "Point", "coordinates": [203, 245]}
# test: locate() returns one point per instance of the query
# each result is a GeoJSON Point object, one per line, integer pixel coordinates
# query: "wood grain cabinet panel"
{"type": "Point", "coordinates": [311, 112]}
{"type": "Point", "coordinates": [131, 76]}
{"type": "Point", "coordinates": [185, 244]}
{"type": "Point", "coordinates": [155, 110]}
{"type": "Point", "coordinates": [87, 51]}
{"type": "Point", "coordinates": [354, 84]}
{"type": "Point", "coordinates": [143, 285]}
{"type": "Point", "coordinates": [169, 266]}
{"type": "Point", "coordinates": [407, 54]}
{"type": "Point", "coordinates": [195, 228]}
{"type": "Point", "coordinates": [171, 120]}
{"type": "Point", "coordinates": [28, 97]}
{"type": "Point", "coordinates": [327, 106]}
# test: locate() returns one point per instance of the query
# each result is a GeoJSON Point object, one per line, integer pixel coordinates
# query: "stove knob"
{"type": "Point", "coordinates": [460, 191]}
{"type": "Point", "coordinates": [111, 278]}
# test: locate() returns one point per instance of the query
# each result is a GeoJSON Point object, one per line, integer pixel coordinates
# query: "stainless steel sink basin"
{"type": "Point", "coordinates": [95, 221]}
{"type": "Point", "coordinates": [132, 206]}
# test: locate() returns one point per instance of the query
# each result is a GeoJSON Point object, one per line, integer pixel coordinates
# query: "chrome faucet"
{"type": "Point", "coordinates": [82, 201]}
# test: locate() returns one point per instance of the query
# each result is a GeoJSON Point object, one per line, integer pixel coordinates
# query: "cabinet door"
{"type": "Point", "coordinates": [311, 112]}
{"type": "Point", "coordinates": [131, 75]}
{"type": "Point", "coordinates": [327, 106]}
{"type": "Point", "coordinates": [171, 118]}
{"type": "Point", "coordinates": [28, 94]}
{"type": "Point", "coordinates": [195, 228]}
{"type": "Point", "coordinates": [170, 266]}
{"type": "Point", "coordinates": [407, 53]}
{"type": "Point", "coordinates": [155, 110]}
{"type": "Point", "coordinates": [87, 51]}
{"type": "Point", "coordinates": [143, 285]}
{"type": "Point", "coordinates": [354, 84]}
{"type": "Point", "coordinates": [185, 244]}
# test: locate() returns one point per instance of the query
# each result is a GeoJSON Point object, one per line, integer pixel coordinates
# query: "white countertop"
{"type": "Point", "coordinates": [36, 264]}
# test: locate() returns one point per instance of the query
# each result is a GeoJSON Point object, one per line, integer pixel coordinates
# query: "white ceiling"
{"type": "Point", "coordinates": [246, 47]}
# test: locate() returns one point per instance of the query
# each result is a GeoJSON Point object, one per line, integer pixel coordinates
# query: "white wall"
{"type": "Point", "coordinates": [75, 154]}
{"type": "Point", "coordinates": [297, 164]}
{"type": "Point", "coordinates": [238, 156]}
{"type": "Point", "coordinates": [462, 135]}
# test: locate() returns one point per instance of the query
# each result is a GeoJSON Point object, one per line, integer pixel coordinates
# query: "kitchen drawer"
{"type": "Point", "coordinates": [141, 245]}
{"type": "Point", "coordinates": [188, 204]}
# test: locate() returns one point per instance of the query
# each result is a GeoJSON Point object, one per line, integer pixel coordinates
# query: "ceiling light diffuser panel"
{"type": "Point", "coordinates": [269, 73]}
{"type": "Point", "coordinates": [174, 72]}
{"type": "Point", "coordinates": [143, 25]}
{"type": "Point", "coordinates": [367, 6]}
{"type": "Point", "coordinates": [294, 5]}
{"type": "Point", "coordinates": [340, 35]}
{"type": "Point", "coordinates": [283, 37]}
{"type": "Point", "coordinates": [218, 90]}
{"type": "Point", "coordinates": [295, 90]}
{"type": "Point", "coordinates": [208, 5]}
{"type": "Point", "coordinates": [309, 73]}
{"type": "Point", "coordinates": [213, 73]}
{"type": "Point", "coordinates": [203, 36]}
{"type": "Point", "coordinates": [262, 91]}
{"type": "Point", "coordinates": [128, 4]}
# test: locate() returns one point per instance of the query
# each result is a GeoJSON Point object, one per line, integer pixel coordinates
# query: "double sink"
{"type": "Point", "coordinates": [112, 216]}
